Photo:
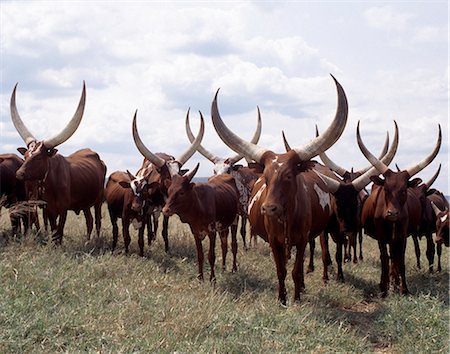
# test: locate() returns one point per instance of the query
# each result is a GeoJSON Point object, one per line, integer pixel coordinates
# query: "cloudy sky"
{"type": "Point", "coordinates": [162, 58]}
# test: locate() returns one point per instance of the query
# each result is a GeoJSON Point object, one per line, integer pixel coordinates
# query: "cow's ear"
{"type": "Point", "coordinates": [256, 167]}
{"type": "Point", "coordinates": [430, 191]}
{"type": "Point", "coordinates": [377, 180]}
{"type": "Point", "coordinates": [52, 152]}
{"type": "Point", "coordinates": [414, 182]}
{"type": "Point", "coordinates": [125, 184]}
{"type": "Point", "coordinates": [305, 166]}
{"type": "Point", "coordinates": [183, 171]}
{"type": "Point", "coordinates": [22, 150]}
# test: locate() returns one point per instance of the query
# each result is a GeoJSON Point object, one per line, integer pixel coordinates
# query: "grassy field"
{"type": "Point", "coordinates": [80, 297]}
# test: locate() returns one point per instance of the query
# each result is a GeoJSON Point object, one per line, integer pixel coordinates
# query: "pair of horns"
{"type": "Point", "coordinates": [313, 148]}
{"type": "Point", "coordinates": [156, 160]}
{"type": "Point", "coordinates": [56, 140]}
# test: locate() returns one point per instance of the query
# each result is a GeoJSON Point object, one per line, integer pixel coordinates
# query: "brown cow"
{"type": "Point", "coordinates": [288, 205]}
{"type": "Point", "coordinates": [421, 219]}
{"type": "Point", "coordinates": [385, 214]}
{"type": "Point", "coordinates": [164, 167]}
{"type": "Point", "coordinates": [347, 177]}
{"type": "Point", "coordinates": [440, 210]}
{"type": "Point", "coordinates": [75, 182]}
{"type": "Point", "coordinates": [208, 208]}
{"type": "Point", "coordinates": [347, 198]}
{"type": "Point", "coordinates": [244, 177]}
{"type": "Point", "coordinates": [126, 197]}
{"type": "Point", "coordinates": [13, 191]}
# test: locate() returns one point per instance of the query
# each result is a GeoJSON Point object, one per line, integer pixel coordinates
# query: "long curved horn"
{"type": "Point", "coordinates": [316, 146]}
{"type": "Point", "coordinates": [432, 179]}
{"type": "Point", "coordinates": [233, 159]}
{"type": "Point", "coordinates": [436, 209]}
{"type": "Point", "coordinates": [156, 160]}
{"type": "Point", "coordinates": [17, 121]}
{"type": "Point", "coordinates": [249, 150]}
{"type": "Point", "coordinates": [360, 182]}
{"type": "Point", "coordinates": [382, 154]}
{"type": "Point", "coordinates": [332, 133]}
{"type": "Point", "coordinates": [195, 144]}
{"type": "Point", "coordinates": [71, 127]}
{"type": "Point", "coordinates": [426, 161]}
{"type": "Point", "coordinates": [331, 184]}
{"type": "Point", "coordinates": [210, 156]}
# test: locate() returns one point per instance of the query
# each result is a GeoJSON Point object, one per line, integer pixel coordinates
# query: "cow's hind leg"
{"type": "Point", "coordinates": [439, 253]}
{"type": "Point", "coordinates": [212, 255]}
{"type": "Point", "coordinates": [430, 251]}
{"type": "Point", "coordinates": [98, 218]}
{"type": "Point", "coordinates": [200, 256]}
{"type": "Point", "coordinates": [234, 246]}
{"type": "Point", "coordinates": [297, 272]}
{"type": "Point", "coordinates": [224, 244]}
{"type": "Point", "coordinates": [89, 222]}
{"type": "Point", "coordinates": [312, 246]}
{"type": "Point", "coordinates": [416, 249]}
{"type": "Point", "coordinates": [165, 233]}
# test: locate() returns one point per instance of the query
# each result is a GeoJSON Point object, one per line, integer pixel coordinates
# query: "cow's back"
{"type": "Point", "coordinates": [226, 197]}
{"type": "Point", "coordinates": [115, 193]}
{"type": "Point", "coordinates": [87, 176]}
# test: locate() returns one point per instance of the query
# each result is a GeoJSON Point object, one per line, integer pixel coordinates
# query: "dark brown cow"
{"type": "Point", "coordinates": [244, 177]}
{"type": "Point", "coordinates": [421, 219]}
{"type": "Point", "coordinates": [352, 221]}
{"type": "Point", "coordinates": [126, 197]}
{"type": "Point", "coordinates": [13, 190]}
{"type": "Point", "coordinates": [440, 208]}
{"type": "Point", "coordinates": [208, 208]}
{"type": "Point", "coordinates": [164, 167]}
{"type": "Point", "coordinates": [288, 205]}
{"type": "Point", "coordinates": [346, 195]}
{"type": "Point", "coordinates": [75, 182]}
{"type": "Point", "coordinates": [385, 215]}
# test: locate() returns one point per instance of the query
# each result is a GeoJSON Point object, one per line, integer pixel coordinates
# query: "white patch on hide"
{"type": "Point", "coordinates": [256, 197]}
{"type": "Point", "coordinates": [324, 198]}
{"type": "Point", "coordinates": [444, 218]}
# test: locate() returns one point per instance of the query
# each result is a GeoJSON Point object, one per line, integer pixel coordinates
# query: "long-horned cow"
{"type": "Point", "coordinates": [440, 208]}
{"type": "Point", "coordinates": [385, 214]}
{"type": "Point", "coordinates": [244, 176]}
{"type": "Point", "coordinates": [350, 194]}
{"type": "Point", "coordinates": [75, 182]}
{"type": "Point", "coordinates": [208, 208]}
{"type": "Point", "coordinates": [289, 205]}
{"type": "Point", "coordinates": [164, 167]}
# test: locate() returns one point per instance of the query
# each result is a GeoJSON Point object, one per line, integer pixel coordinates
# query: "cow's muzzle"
{"type": "Point", "coordinates": [167, 212]}
{"type": "Point", "coordinates": [271, 209]}
{"type": "Point", "coordinates": [392, 215]}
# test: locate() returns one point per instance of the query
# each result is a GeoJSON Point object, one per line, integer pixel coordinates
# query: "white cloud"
{"type": "Point", "coordinates": [386, 18]}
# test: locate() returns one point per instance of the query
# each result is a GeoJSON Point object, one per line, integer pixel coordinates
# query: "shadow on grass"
{"type": "Point", "coordinates": [434, 284]}
{"type": "Point", "coordinates": [244, 281]}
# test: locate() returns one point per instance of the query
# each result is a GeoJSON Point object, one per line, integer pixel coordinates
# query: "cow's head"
{"type": "Point", "coordinates": [141, 190]}
{"type": "Point", "coordinates": [179, 197]}
{"type": "Point", "coordinates": [442, 225]}
{"type": "Point", "coordinates": [38, 153]}
{"type": "Point", "coordinates": [280, 171]}
{"type": "Point", "coordinates": [166, 166]}
{"type": "Point", "coordinates": [395, 184]}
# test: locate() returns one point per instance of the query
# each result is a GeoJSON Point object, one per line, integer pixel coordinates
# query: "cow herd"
{"type": "Point", "coordinates": [288, 198]}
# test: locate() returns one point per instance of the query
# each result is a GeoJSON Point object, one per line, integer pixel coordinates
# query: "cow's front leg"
{"type": "Point", "coordinates": [279, 255]}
